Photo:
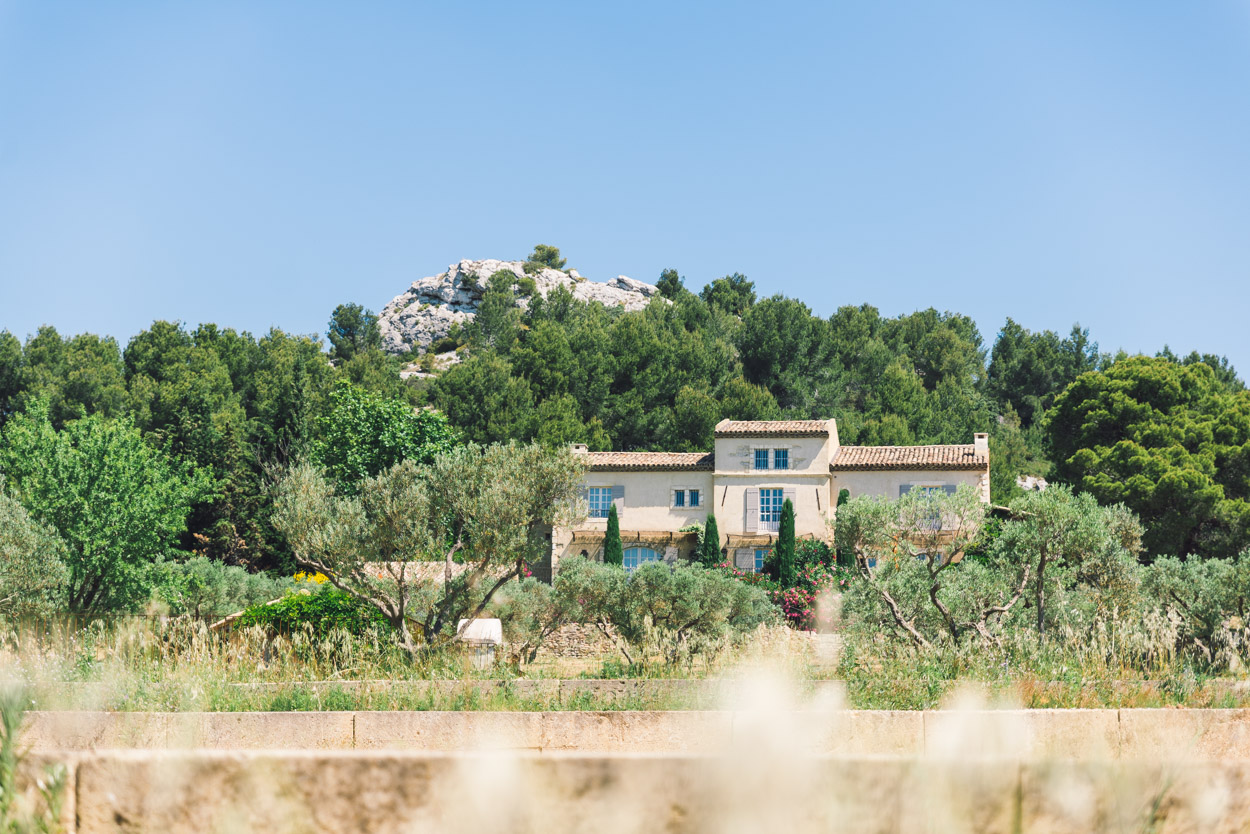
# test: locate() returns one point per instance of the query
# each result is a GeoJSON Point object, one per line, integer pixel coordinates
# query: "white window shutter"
{"type": "Point", "coordinates": [903, 490]}
{"type": "Point", "coordinates": [788, 494]}
{"type": "Point", "coordinates": [744, 559]}
{"type": "Point", "coordinates": [753, 510]}
{"type": "Point", "coordinates": [618, 496]}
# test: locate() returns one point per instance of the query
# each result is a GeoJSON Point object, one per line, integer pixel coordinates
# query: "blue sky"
{"type": "Point", "coordinates": [255, 164]}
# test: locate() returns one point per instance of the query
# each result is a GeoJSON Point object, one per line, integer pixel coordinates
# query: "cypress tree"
{"type": "Point", "coordinates": [844, 556]}
{"type": "Point", "coordinates": [785, 547]}
{"type": "Point", "coordinates": [612, 552]}
{"type": "Point", "coordinates": [710, 554]}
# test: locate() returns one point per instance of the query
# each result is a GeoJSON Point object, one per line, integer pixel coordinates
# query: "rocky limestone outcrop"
{"type": "Point", "coordinates": [426, 312]}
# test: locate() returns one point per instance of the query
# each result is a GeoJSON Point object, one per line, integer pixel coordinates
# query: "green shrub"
{"type": "Point", "coordinates": [810, 552]}
{"type": "Point", "coordinates": [677, 613]}
{"type": "Point", "coordinates": [32, 563]}
{"type": "Point", "coordinates": [203, 587]}
{"type": "Point", "coordinates": [322, 610]}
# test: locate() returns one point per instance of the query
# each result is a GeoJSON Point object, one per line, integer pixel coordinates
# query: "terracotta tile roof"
{"type": "Point", "coordinates": [909, 457]}
{"type": "Point", "coordinates": [772, 428]}
{"type": "Point", "coordinates": [626, 461]}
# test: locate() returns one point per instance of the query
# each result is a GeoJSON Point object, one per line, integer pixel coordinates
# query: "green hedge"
{"type": "Point", "coordinates": [323, 609]}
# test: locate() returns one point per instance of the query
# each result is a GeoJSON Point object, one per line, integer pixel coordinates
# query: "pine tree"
{"type": "Point", "coordinates": [612, 552]}
{"type": "Point", "coordinates": [710, 554]}
{"type": "Point", "coordinates": [785, 547]}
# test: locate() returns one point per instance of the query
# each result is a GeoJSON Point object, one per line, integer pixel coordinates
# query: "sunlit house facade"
{"type": "Point", "coordinates": [754, 468]}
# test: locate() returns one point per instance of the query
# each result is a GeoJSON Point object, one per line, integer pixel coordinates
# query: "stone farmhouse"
{"type": "Point", "coordinates": [755, 466]}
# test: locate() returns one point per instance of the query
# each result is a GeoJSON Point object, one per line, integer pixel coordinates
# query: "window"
{"type": "Point", "coordinates": [770, 510]}
{"type": "Point", "coordinates": [761, 458]}
{"type": "Point", "coordinates": [679, 498]}
{"type": "Point", "coordinates": [635, 556]}
{"type": "Point", "coordinates": [781, 458]}
{"type": "Point", "coordinates": [931, 491]}
{"type": "Point", "coordinates": [600, 501]}
{"type": "Point", "coordinates": [761, 556]}
{"type": "Point", "coordinates": [695, 498]}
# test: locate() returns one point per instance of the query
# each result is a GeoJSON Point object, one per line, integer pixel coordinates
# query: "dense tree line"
{"type": "Point", "coordinates": [218, 407]}
{"type": "Point", "coordinates": [197, 421]}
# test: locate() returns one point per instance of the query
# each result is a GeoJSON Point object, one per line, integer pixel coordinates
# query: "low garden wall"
{"type": "Point", "coordinates": [577, 640]}
{"type": "Point", "coordinates": [174, 792]}
{"type": "Point", "coordinates": [1091, 735]}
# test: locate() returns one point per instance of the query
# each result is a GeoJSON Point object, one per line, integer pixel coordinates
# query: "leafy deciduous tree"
{"type": "Point", "coordinates": [364, 434]}
{"type": "Point", "coordinates": [117, 503]}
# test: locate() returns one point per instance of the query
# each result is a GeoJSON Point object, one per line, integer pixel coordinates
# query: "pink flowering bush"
{"type": "Point", "coordinates": [798, 604]}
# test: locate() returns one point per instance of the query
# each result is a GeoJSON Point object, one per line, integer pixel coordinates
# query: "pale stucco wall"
{"type": "Point", "coordinates": [735, 456]}
{"type": "Point", "coordinates": [811, 501]}
{"type": "Point", "coordinates": [888, 483]}
{"type": "Point", "coordinates": [807, 475]}
{"type": "Point", "coordinates": [647, 503]}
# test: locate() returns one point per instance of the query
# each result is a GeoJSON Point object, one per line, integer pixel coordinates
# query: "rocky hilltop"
{"type": "Point", "coordinates": [424, 314]}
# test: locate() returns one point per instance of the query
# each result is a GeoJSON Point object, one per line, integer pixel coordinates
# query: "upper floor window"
{"type": "Point", "coordinates": [772, 458]}
{"type": "Point", "coordinates": [770, 510]}
{"type": "Point", "coordinates": [600, 501]}
{"type": "Point", "coordinates": [687, 498]}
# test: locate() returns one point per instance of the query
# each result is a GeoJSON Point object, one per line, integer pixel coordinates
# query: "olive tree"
{"type": "Point", "coordinates": [483, 512]}
{"type": "Point", "coordinates": [920, 582]}
{"type": "Point", "coordinates": [909, 552]}
{"type": "Point", "coordinates": [1068, 543]}
{"type": "Point", "coordinates": [32, 566]}
{"type": "Point", "coordinates": [1211, 596]}
{"type": "Point", "coordinates": [676, 612]}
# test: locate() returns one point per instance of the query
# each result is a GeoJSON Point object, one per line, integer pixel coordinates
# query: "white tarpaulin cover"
{"type": "Point", "coordinates": [481, 632]}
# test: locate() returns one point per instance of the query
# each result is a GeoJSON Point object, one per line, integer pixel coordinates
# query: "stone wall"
{"type": "Point", "coordinates": [755, 789]}
{"type": "Point", "coordinates": [1035, 735]}
{"type": "Point", "coordinates": [577, 640]}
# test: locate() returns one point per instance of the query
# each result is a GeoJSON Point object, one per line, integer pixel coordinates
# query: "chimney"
{"type": "Point", "coordinates": [981, 443]}
{"type": "Point", "coordinates": [579, 448]}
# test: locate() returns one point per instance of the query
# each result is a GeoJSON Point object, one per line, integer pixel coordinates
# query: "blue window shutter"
{"type": "Point", "coordinates": [752, 522]}
{"type": "Point", "coordinates": [949, 489]}
{"type": "Point", "coordinates": [903, 490]}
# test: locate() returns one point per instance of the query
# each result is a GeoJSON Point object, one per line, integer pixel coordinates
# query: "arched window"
{"type": "Point", "coordinates": [635, 556]}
